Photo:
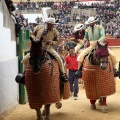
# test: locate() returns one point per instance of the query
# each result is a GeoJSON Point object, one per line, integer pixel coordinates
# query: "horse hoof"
{"type": "Point", "coordinates": [104, 109]}
{"type": "Point", "coordinates": [43, 113]}
{"type": "Point", "coordinates": [71, 94]}
{"type": "Point", "coordinates": [93, 107]}
{"type": "Point", "coordinates": [40, 118]}
{"type": "Point", "coordinates": [100, 102]}
{"type": "Point", "coordinates": [58, 105]}
{"type": "Point", "coordinates": [47, 118]}
{"type": "Point", "coordinates": [82, 85]}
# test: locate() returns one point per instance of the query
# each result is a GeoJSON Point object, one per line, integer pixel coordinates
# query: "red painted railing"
{"type": "Point", "coordinates": [113, 42]}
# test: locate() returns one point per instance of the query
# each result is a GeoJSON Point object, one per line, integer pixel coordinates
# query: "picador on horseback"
{"type": "Point", "coordinates": [79, 32]}
{"type": "Point", "coordinates": [96, 65]}
{"type": "Point", "coordinates": [93, 34]}
{"type": "Point", "coordinates": [50, 37]}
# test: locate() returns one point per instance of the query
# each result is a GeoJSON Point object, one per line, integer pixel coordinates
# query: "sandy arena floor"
{"type": "Point", "coordinates": [74, 109]}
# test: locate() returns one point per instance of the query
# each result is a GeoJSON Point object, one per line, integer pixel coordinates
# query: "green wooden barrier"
{"type": "Point", "coordinates": [24, 47]}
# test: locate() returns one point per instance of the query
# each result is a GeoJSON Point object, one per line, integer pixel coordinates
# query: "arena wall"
{"type": "Point", "coordinates": [8, 61]}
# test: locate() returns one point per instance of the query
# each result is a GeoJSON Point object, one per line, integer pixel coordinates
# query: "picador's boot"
{"type": "Point", "coordinates": [20, 78]}
{"type": "Point", "coordinates": [63, 78]}
{"type": "Point", "coordinates": [116, 74]}
{"type": "Point", "coordinates": [78, 73]}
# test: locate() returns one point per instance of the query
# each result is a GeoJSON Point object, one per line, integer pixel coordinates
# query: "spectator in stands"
{"type": "Point", "coordinates": [118, 14]}
{"type": "Point", "coordinates": [106, 11]}
{"type": "Point", "coordinates": [38, 20]}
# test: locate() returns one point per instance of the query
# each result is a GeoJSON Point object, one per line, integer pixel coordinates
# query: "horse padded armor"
{"type": "Point", "coordinates": [44, 87]}
{"type": "Point", "coordinates": [98, 83]}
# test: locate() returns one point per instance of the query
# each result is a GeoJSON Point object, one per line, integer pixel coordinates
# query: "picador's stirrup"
{"type": "Point", "coordinates": [63, 78]}
{"type": "Point", "coordinates": [20, 78]}
{"type": "Point", "coordinates": [78, 73]}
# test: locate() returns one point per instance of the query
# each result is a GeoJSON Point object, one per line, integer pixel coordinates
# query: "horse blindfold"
{"type": "Point", "coordinates": [102, 52]}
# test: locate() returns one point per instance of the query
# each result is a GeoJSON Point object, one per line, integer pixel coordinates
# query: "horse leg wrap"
{"type": "Point", "coordinates": [104, 109]}
{"type": "Point", "coordinates": [93, 106]}
{"type": "Point", "coordinates": [104, 101]}
{"type": "Point", "coordinates": [92, 101]}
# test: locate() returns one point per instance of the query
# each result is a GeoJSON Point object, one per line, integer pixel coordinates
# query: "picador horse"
{"type": "Point", "coordinates": [42, 80]}
{"type": "Point", "coordinates": [98, 76]}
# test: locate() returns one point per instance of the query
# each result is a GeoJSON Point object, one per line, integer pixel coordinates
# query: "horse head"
{"type": "Point", "coordinates": [101, 55]}
{"type": "Point", "coordinates": [63, 49]}
{"type": "Point", "coordinates": [36, 55]}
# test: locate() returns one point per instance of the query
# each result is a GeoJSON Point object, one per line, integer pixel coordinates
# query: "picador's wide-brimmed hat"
{"type": "Point", "coordinates": [78, 27]}
{"type": "Point", "coordinates": [51, 20]}
{"type": "Point", "coordinates": [91, 20]}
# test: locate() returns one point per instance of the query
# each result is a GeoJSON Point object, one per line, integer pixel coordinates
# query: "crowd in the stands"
{"type": "Point", "coordinates": [107, 12]}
